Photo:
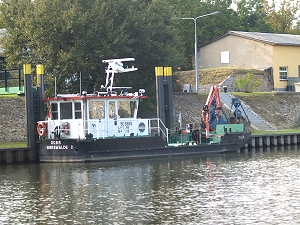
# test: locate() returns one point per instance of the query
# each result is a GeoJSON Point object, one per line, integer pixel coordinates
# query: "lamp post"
{"type": "Point", "coordinates": [196, 50]}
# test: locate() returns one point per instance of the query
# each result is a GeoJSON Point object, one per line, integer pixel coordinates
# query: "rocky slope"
{"type": "Point", "coordinates": [279, 109]}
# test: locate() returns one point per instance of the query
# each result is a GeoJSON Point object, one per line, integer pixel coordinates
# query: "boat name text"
{"type": "Point", "coordinates": [58, 145]}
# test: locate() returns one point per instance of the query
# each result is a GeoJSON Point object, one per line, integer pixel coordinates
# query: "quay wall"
{"type": "Point", "coordinates": [12, 119]}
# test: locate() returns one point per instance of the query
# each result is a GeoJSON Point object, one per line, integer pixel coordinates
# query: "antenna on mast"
{"type": "Point", "coordinates": [55, 87]}
{"type": "Point", "coordinates": [80, 82]}
{"type": "Point", "coordinates": [115, 66]}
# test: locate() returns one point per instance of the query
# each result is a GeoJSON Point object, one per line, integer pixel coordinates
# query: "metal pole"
{"type": "Point", "coordinates": [196, 56]}
{"type": "Point", "coordinates": [196, 50]}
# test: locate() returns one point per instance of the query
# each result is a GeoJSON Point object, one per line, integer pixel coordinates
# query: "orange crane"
{"type": "Point", "coordinates": [212, 99]}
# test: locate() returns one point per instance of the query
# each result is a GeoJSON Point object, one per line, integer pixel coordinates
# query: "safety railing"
{"type": "Point", "coordinates": [66, 128]}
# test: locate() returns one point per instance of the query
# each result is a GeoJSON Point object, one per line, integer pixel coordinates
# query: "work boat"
{"type": "Point", "coordinates": [104, 126]}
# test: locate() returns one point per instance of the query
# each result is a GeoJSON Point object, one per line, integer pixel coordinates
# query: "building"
{"type": "Point", "coordinates": [278, 52]}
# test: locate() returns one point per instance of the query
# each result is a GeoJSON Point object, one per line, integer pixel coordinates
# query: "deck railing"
{"type": "Point", "coordinates": [154, 126]}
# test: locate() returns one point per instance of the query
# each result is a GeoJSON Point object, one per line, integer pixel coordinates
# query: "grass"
{"type": "Point", "coordinates": [9, 96]}
{"type": "Point", "coordinates": [20, 144]}
{"type": "Point", "coordinates": [212, 75]}
{"type": "Point", "coordinates": [285, 131]}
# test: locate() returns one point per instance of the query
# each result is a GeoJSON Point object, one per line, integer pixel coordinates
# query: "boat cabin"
{"type": "Point", "coordinates": [108, 113]}
{"type": "Point", "coordinates": [95, 116]}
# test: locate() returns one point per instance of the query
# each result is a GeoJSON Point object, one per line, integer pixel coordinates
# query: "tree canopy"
{"type": "Point", "coordinates": [72, 37]}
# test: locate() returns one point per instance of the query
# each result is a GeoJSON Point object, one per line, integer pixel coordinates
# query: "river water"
{"type": "Point", "coordinates": [255, 187]}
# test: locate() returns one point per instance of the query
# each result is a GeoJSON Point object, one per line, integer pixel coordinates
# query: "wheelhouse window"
{"type": "Point", "coordinates": [112, 109]}
{"type": "Point", "coordinates": [54, 111]}
{"type": "Point", "coordinates": [126, 109]}
{"type": "Point", "coordinates": [78, 114]}
{"type": "Point", "coordinates": [283, 72]}
{"type": "Point", "coordinates": [65, 110]}
{"type": "Point", "coordinates": [96, 110]}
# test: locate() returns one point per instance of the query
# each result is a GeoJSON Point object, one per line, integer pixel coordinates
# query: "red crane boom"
{"type": "Point", "coordinates": [214, 95]}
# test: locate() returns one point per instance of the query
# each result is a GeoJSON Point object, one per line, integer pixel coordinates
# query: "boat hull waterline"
{"type": "Point", "coordinates": [66, 150]}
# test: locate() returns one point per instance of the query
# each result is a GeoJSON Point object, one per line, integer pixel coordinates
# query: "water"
{"type": "Point", "coordinates": [258, 187]}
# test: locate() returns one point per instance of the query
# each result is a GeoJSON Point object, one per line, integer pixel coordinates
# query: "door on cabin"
{"type": "Point", "coordinates": [96, 119]}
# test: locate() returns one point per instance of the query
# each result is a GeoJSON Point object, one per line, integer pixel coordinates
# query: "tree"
{"type": "Point", "coordinates": [208, 28]}
{"type": "Point", "coordinates": [281, 21]}
{"type": "Point", "coordinates": [72, 37]}
{"type": "Point", "coordinates": [248, 83]}
{"type": "Point", "coordinates": [252, 15]}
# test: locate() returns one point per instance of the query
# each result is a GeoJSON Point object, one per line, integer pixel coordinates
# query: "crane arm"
{"type": "Point", "coordinates": [213, 98]}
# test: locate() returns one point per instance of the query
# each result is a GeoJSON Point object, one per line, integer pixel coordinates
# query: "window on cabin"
{"type": "Point", "coordinates": [283, 72]}
{"type": "Point", "coordinates": [54, 111]}
{"type": "Point", "coordinates": [97, 110]}
{"type": "Point", "coordinates": [124, 109]}
{"type": "Point", "coordinates": [65, 110]}
{"type": "Point", "coordinates": [78, 114]}
{"type": "Point", "coordinates": [111, 109]}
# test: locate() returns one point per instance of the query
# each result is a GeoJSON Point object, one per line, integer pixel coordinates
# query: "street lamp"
{"type": "Point", "coordinates": [196, 50]}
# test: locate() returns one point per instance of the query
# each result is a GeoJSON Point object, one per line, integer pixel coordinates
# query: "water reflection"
{"type": "Point", "coordinates": [255, 186]}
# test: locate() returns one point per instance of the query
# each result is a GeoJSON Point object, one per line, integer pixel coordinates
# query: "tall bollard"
{"type": "Point", "coordinates": [31, 131]}
{"type": "Point", "coordinates": [164, 95]}
{"type": "Point", "coordinates": [40, 89]}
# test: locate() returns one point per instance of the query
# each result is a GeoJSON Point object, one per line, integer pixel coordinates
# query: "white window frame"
{"type": "Point", "coordinates": [283, 73]}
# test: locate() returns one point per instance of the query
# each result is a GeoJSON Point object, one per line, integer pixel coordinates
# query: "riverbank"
{"type": "Point", "coordinates": [278, 109]}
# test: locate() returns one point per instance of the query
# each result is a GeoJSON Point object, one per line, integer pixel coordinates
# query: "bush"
{"type": "Point", "coordinates": [247, 83]}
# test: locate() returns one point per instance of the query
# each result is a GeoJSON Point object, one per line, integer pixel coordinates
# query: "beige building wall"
{"type": "Point", "coordinates": [287, 56]}
{"type": "Point", "coordinates": [242, 52]}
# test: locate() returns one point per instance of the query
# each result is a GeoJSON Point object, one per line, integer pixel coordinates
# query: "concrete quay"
{"type": "Point", "coordinates": [258, 141]}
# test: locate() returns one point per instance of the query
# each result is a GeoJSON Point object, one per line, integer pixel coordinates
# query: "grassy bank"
{"type": "Point", "coordinates": [286, 131]}
{"type": "Point", "coordinates": [9, 96]}
{"type": "Point", "coordinates": [21, 144]}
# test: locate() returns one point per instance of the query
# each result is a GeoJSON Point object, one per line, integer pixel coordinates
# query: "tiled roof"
{"type": "Point", "coordinates": [270, 38]}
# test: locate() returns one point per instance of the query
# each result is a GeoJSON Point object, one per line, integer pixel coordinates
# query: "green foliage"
{"type": "Point", "coordinates": [248, 83]}
{"type": "Point", "coordinates": [208, 28]}
{"type": "Point", "coordinates": [281, 20]}
{"type": "Point", "coordinates": [252, 15]}
{"type": "Point", "coordinates": [12, 144]}
{"type": "Point", "coordinates": [72, 37]}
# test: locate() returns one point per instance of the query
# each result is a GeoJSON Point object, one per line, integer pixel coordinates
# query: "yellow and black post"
{"type": "Point", "coordinates": [164, 95]}
{"type": "Point", "coordinates": [159, 74]}
{"type": "Point", "coordinates": [40, 90]}
{"type": "Point", "coordinates": [30, 124]}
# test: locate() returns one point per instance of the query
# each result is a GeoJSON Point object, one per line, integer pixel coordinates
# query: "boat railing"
{"type": "Point", "coordinates": [154, 127]}
{"type": "Point", "coordinates": [157, 127]}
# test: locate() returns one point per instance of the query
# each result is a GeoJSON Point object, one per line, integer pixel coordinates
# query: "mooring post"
{"type": "Point", "coordinates": [164, 95]}
{"type": "Point", "coordinates": [159, 72]}
{"type": "Point", "coordinates": [168, 90]}
{"type": "Point", "coordinates": [30, 134]}
{"type": "Point", "coordinates": [40, 89]}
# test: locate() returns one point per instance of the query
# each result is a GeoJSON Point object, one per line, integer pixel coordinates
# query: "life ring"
{"type": "Point", "coordinates": [41, 129]}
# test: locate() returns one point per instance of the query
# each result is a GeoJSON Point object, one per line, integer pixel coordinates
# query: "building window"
{"type": "Point", "coordinates": [225, 57]}
{"type": "Point", "coordinates": [283, 72]}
